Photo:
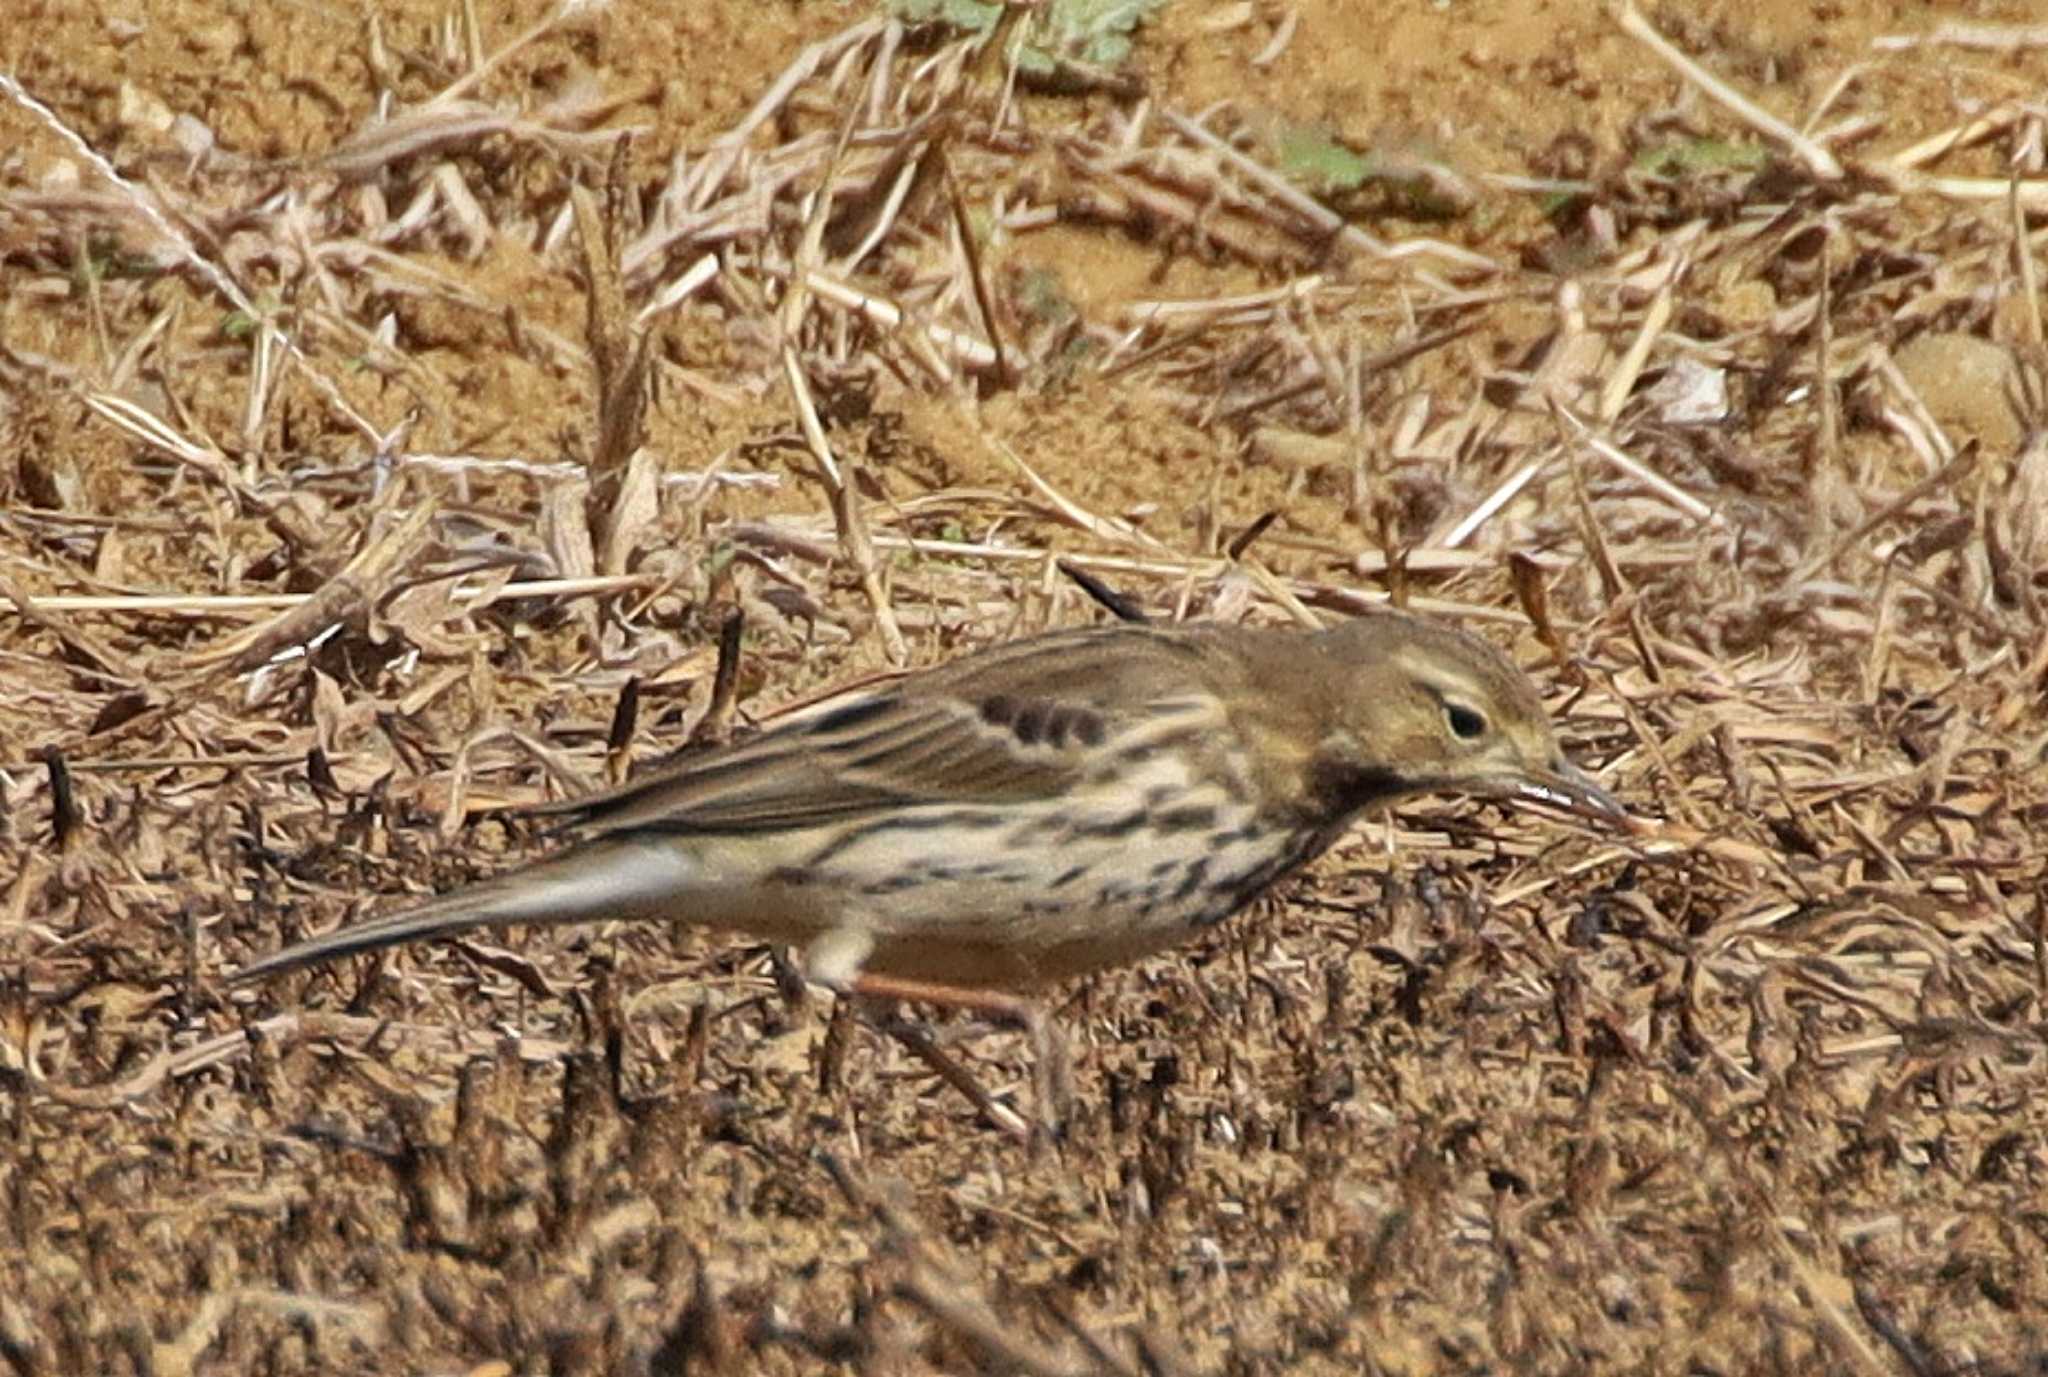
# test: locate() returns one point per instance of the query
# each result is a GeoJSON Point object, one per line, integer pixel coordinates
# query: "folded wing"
{"type": "Point", "coordinates": [1030, 723]}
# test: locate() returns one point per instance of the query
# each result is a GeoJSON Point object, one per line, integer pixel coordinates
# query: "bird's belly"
{"type": "Point", "coordinates": [991, 898]}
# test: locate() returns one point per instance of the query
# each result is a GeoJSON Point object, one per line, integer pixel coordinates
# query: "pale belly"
{"type": "Point", "coordinates": [1015, 900]}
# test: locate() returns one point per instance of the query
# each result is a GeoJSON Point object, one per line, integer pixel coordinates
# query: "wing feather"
{"type": "Point", "coordinates": [993, 729]}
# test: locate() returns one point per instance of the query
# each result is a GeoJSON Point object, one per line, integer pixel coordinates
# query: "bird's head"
{"type": "Point", "coordinates": [1425, 707]}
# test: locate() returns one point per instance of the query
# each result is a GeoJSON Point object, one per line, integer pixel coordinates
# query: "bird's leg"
{"type": "Point", "coordinates": [1051, 1069]}
{"type": "Point", "coordinates": [995, 1005]}
{"type": "Point", "coordinates": [1052, 1072]}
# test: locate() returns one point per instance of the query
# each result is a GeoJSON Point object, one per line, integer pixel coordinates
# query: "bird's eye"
{"type": "Point", "coordinates": [1465, 724]}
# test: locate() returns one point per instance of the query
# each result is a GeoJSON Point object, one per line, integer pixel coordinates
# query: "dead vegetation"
{"type": "Point", "coordinates": [1748, 447]}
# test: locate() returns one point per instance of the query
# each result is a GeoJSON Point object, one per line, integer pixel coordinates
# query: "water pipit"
{"type": "Point", "coordinates": [1054, 806]}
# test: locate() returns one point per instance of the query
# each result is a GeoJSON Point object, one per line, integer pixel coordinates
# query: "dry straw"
{"type": "Point", "coordinates": [1743, 453]}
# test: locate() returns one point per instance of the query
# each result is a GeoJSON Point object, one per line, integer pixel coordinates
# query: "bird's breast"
{"type": "Point", "coordinates": [1025, 894]}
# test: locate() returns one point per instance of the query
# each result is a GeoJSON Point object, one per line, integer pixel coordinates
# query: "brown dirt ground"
{"type": "Point", "coordinates": [1480, 1094]}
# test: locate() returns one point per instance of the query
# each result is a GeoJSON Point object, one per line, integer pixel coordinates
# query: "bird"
{"type": "Point", "coordinates": [1054, 806]}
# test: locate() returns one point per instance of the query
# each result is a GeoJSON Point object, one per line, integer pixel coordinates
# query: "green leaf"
{"type": "Point", "coordinates": [1097, 32]}
{"type": "Point", "coordinates": [1699, 157]}
{"type": "Point", "coordinates": [1311, 157]}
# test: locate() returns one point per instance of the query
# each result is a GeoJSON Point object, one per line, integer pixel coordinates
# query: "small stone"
{"type": "Point", "coordinates": [1690, 393]}
{"type": "Point", "coordinates": [215, 38]}
{"type": "Point", "coordinates": [190, 137]}
{"type": "Point", "coordinates": [138, 109]}
{"type": "Point", "coordinates": [1968, 385]}
{"type": "Point", "coordinates": [1748, 304]}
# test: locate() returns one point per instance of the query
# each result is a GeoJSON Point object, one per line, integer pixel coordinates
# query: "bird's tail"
{"type": "Point", "coordinates": [603, 880]}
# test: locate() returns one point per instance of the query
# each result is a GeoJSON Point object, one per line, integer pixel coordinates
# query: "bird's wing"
{"type": "Point", "coordinates": [1003, 727]}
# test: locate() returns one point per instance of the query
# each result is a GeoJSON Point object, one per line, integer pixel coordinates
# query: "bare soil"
{"type": "Point", "coordinates": [305, 342]}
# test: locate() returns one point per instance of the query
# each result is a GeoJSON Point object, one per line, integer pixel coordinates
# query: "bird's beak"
{"type": "Point", "coordinates": [1565, 787]}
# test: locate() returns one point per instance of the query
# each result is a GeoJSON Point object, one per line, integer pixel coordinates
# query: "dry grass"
{"type": "Point", "coordinates": [1759, 1094]}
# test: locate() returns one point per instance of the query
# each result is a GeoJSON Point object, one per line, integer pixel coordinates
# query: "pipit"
{"type": "Point", "coordinates": [1051, 807]}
